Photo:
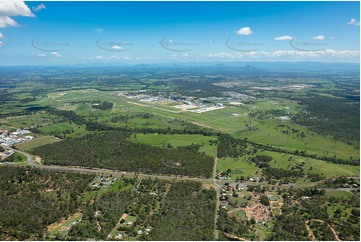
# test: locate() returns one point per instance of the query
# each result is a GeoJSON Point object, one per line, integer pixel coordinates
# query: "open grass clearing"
{"type": "Point", "coordinates": [177, 140]}
{"type": "Point", "coordinates": [239, 167]}
{"type": "Point", "coordinates": [43, 140]}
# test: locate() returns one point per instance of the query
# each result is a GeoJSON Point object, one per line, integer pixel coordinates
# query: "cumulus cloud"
{"type": "Point", "coordinates": [354, 21]}
{"type": "Point", "coordinates": [1, 44]}
{"type": "Point", "coordinates": [39, 7]}
{"type": "Point", "coordinates": [326, 54]}
{"type": "Point", "coordinates": [99, 57]}
{"type": "Point", "coordinates": [56, 54]}
{"type": "Point", "coordinates": [285, 37]}
{"type": "Point", "coordinates": [319, 37]}
{"type": "Point", "coordinates": [1, 36]}
{"type": "Point", "coordinates": [244, 31]}
{"type": "Point", "coordinates": [15, 8]}
{"type": "Point", "coordinates": [6, 21]}
{"type": "Point", "coordinates": [116, 47]}
{"type": "Point", "coordinates": [41, 55]}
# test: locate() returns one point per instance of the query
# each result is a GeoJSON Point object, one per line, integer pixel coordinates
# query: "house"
{"type": "Point", "coordinates": [283, 118]}
{"type": "Point", "coordinates": [24, 131]}
{"type": "Point", "coordinates": [224, 204]}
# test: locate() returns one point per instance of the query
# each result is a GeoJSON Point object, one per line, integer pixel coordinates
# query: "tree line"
{"type": "Point", "coordinates": [112, 150]}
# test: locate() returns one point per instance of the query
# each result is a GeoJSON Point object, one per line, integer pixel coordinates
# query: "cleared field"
{"type": "Point", "coordinates": [238, 167]}
{"type": "Point", "coordinates": [64, 225]}
{"type": "Point", "coordinates": [43, 140]}
{"type": "Point", "coordinates": [267, 132]}
{"type": "Point", "coordinates": [339, 194]}
{"type": "Point", "coordinates": [26, 121]}
{"type": "Point", "coordinates": [69, 128]}
{"type": "Point", "coordinates": [241, 215]}
{"type": "Point", "coordinates": [328, 169]}
{"type": "Point", "coordinates": [118, 185]}
{"type": "Point", "coordinates": [176, 141]}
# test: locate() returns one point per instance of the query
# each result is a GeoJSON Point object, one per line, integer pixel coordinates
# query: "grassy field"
{"type": "Point", "coordinates": [17, 158]}
{"type": "Point", "coordinates": [268, 133]}
{"type": "Point", "coordinates": [328, 169]}
{"type": "Point", "coordinates": [118, 185]}
{"type": "Point", "coordinates": [43, 140]}
{"type": "Point", "coordinates": [239, 167]}
{"type": "Point", "coordinates": [176, 141]}
{"type": "Point", "coordinates": [263, 131]}
{"type": "Point", "coordinates": [338, 194]}
{"type": "Point", "coordinates": [241, 215]}
{"type": "Point", "coordinates": [25, 121]}
{"type": "Point", "coordinates": [71, 129]}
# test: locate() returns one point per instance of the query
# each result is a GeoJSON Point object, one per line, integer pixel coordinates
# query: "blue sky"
{"type": "Point", "coordinates": [54, 33]}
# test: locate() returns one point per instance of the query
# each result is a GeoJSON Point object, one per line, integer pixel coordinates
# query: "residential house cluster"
{"type": "Point", "coordinates": [228, 190]}
{"type": "Point", "coordinates": [100, 182]}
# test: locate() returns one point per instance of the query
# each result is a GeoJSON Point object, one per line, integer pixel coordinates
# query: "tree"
{"type": "Point", "coordinates": [264, 200]}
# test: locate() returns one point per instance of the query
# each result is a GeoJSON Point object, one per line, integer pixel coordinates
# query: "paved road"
{"type": "Point", "coordinates": [33, 163]}
{"type": "Point", "coordinates": [218, 195]}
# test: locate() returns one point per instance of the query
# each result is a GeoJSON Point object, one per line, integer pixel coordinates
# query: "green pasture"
{"type": "Point", "coordinates": [177, 140]}
{"type": "Point", "coordinates": [239, 167]}
{"type": "Point", "coordinates": [43, 140]}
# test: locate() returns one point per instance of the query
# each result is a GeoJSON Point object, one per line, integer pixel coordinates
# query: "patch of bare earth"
{"type": "Point", "coordinates": [59, 224]}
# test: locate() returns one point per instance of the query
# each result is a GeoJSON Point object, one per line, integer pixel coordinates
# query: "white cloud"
{"type": "Point", "coordinates": [116, 47]}
{"type": "Point", "coordinates": [6, 21]}
{"type": "Point", "coordinates": [244, 31]}
{"type": "Point", "coordinates": [99, 57]}
{"type": "Point", "coordinates": [56, 54]}
{"type": "Point", "coordinates": [114, 57]}
{"type": "Point", "coordinates": [41, 55]}
{"type": "Point", "coordinates": [1, 36]}
{"type": "Point", "coordinates": [15, 8]}
{"type": "Point", "coordinates": [289, 55]}
{"type": "Point", "coordinates": [285, 37]}
{"type": "Point", "coordinates": [221, 55]}
{"type": "Point", "coordinates": [39, 7]}
{"type": "Point", "coordinates": [1, 44]}
{"type": "Point", "coordinates": [98, 30]}
{"type": "Point", "coordinates": [354, 21]}
{"type": "Point", "coordinates": [319, 37]}
{"type": "Point", "coordinates": [125, 57]}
